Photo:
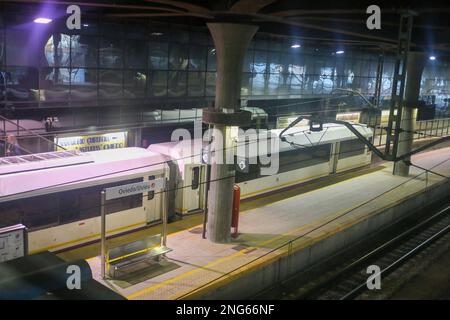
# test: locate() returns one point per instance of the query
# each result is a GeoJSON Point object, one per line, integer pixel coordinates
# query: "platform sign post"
{"type": "Point", "coordinates": [103, 234]}
{"type": "Point", "coordinates": [124, 191]}
{"type": "Point", "coordinates": [165, 218]}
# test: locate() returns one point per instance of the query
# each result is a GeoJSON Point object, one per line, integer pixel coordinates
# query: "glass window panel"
{"type": "Point", "coordinates": [111, 53]}
{"type": "Point", "coordinates": [84, 51]}
{"type": "Point", "coordinates": [22, 48]}
{"type": "Point", "coordinates": [248, 61]}
{"type": "Point", "coordinates": [260, 62]}
{"type": "Point", "coordinates": [195, 178]}
{"type": "Point", "coordinates": [135, 84]}
{"type": "Point", "coordinates": [274, 81]}
{"type": "Point", "coordinates": [89, 25]}
{"type": "Point", "coordinates": [200, 38]}
{"type": "Point", "coordinates": [275, 62]}
{"type": "Point", "coordinates": [10, 213]}
{"type": "Point", "coordinates": [197, 58]}
{"type": "Point", "coordinates": [135, 30]}
{"type": "Point", "coordinates": [262, 44]}
{"type": "Point", "coordinates": [178, 57]}
{"type": "Point", "coordinates": [40, 211]}
{"type": "Point", "coordinates": [158, 55]}
{"type": "Point", "coordinates": [196, 84]}
{"type": "Point", "coordinates": [178, 34]}
{"type": "Point", "coordinates": [177, 83]}
{"type": "Point", "coordinates": [2, 48]}
{"type": "Point", "coordinates": [351, 148]}
{"type": "Point", "coordinates": [54, 84]}
{"type": "Point", "coordinates": [258, 83]}
{"type": "Point", "coordinates": [110, 29]}
{"type": "Point", "coordinates": [246, 85]}
{"type": "Point", "coordinates": [159, 32]}
{"type": "Point", "coordinates": [304, 157]}
{"type": "Point", "coordinates": [212, 59]}
{"type": "Point", "coordinates": [158, 85]}
{"type": "Point", "coordinates": [135, 54]}
{"type": "Point", "coordinates": [89, 202]}
{"type": "Point", "coordinates": [22, 83]}
{"type": "Point", "coordinates": [276, 45]}
{"type": "Point", "coordinates": [210, 89]}
{"type": "Point", "coordinates": [110, 85]}
{"type": "Point", "coordinates": [69, 206]}
{"type": "Point", "coordinates": [83, 84]}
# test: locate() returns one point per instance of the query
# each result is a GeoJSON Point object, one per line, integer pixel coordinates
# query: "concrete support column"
{"type": "Point", "coordinates": [231, 42]}
{"type": "Point", "coordinates": [414, 70]}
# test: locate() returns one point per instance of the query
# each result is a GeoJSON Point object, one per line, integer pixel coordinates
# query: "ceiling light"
{"type": "Point", "coordinates": [295, 46]}
{"type": "Point", "coordinates": [42, 20]}
{"type": "Point", "coordinates": [432, 58]}
{"type": "Point", "coordinates": [340, 52]}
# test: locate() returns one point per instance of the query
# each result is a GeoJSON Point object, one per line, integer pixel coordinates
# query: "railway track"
{"type": "Point", "coordinates": [351, 281]}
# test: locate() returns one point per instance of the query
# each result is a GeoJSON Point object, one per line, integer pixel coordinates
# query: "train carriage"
{"type": "Point", "coordinates": [57, 195]}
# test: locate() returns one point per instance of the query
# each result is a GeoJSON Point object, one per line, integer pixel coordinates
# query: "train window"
{"type": "Point", "coordinates": [10, 213]}
{"type": "Point", "coordinates": [89, 199]}
{"type": "Point", "coordinates": [351, 148]}
{"type": "Point", "coordinates": [41, 211]}
{"type": "Point", "coordinates": [69, 206]}
{"type": "Point", "coordinates": [125, 203]}
{"type": "Point", "coordinates": [253, 173]}
{"type": "Point", "coordinates": [304, 157]}
{"type": "Point", "coordinates": [195, 178]}
{"type": "Point", "coordinates": [151, 194]}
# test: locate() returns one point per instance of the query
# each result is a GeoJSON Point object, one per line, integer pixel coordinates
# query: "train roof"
{"type": "Point", "coordinates": [303, 136]}
{"type": "Point", "coordinates": [300, 136]}
{"type": "Point", "coordinates": [46, 174]}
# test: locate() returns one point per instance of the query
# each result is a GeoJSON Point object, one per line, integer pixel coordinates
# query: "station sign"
{"type": "Point", "coordinates": [134, 188]}
{"type": "Point", "coordinates": [114, 140]}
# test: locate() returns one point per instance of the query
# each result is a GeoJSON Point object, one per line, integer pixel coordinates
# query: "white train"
{"type": "Point", "coordinates": [57, 194]}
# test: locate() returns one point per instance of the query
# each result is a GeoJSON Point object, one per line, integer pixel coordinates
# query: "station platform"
{"type": "Point", "coordinates": [196, 266]}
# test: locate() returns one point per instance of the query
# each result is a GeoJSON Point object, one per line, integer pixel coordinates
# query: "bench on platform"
{"type": "Point", "coordinates": [147, 249]}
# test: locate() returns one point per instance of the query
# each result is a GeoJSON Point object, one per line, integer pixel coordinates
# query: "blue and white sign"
{"type": "Point", "coordinates": [134, 188]}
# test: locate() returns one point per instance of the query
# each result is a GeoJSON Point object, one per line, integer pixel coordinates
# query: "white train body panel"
{"type": "Point", "coordinates": [332, 135]}
{"type": "Point", "coordinates": [271, 183]}
{"type": "Point", "coordinates": [84, 231]}
{"type": "Point", "coordinates": [53, 177]}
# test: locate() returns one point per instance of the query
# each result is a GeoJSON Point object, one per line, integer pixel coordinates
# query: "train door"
{"type": "Point", "coordinates": [192, 188]}
{"type": "Point", "coordinates": [153, 204]}
{"type": "Point", "coordinates": [334, 157]}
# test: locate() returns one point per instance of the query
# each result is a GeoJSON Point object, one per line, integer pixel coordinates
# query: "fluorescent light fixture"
{"type": "Point", "coordinates": [432, 58]}
{"type": "Point", "coordinates": [85, 25]}
{"type": "Point", "coordinates": [42, 20]}
{"type": "Point", "coordinates": [295, 46]}
{"type": "Point", "coordinates": [340, 52]}
{"type": "Point", "coordinates": [157, 34]}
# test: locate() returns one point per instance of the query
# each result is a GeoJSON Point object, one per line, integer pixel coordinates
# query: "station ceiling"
{"type": "Point", "coordinates": [340, 21]}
